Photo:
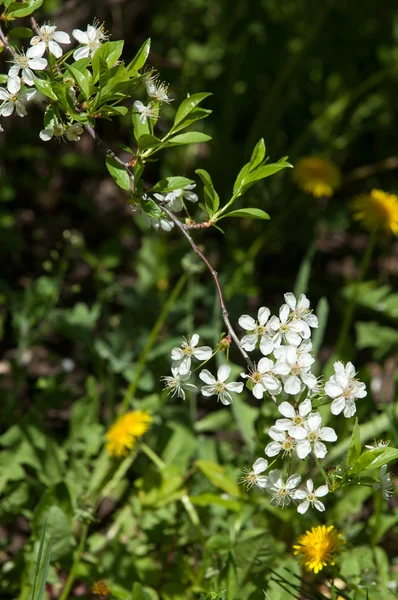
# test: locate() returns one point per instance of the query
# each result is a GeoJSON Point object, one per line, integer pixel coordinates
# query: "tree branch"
{"type": "Point", "coordinates": [184, 230]}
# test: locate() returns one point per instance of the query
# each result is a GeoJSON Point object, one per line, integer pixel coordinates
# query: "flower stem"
{"type": "Point", "coordinates": [348, 317]}
{"type": "Point", "coordinates": [129, 395]}
{"type": "Point", "coordinates": [152, 455]}
{"type": "Point", "coordinates": [76, 562]}
{"type": "Point", "coordinates": [322, 470]}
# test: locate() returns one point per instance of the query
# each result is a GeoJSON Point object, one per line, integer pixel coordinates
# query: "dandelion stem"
{"type": "Point", "coordinates": [129, 395]}
{"type": "Point", "coordinates": [348, 317]}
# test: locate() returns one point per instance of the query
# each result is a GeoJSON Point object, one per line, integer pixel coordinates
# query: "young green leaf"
{"type": "Point", "coordinates": [216, 475]}
{"type": "Point", "coordinates": [258, 155]}
{"type": "Point", "coordinates": [148, 141]}
{"type": "Point", "coordinates": [253, 213]}
{"type": "Point", "coordinates": [45, 88]}
{"type": "Point", "coordinates": [195, 115]}
{"type": "Point", "coordinates": [190, 137]}
{"type": "Point", "coordinates": [171, 183]}
{"type": "Point", "coordinates": [81, 80]}
{"type": "Point", "coordinates": [118, 172]}
{"type": "Point", "coordinates": [21, 32]}
{"type": "Point", "coordinates": [17, 10]}
{"type": "Point", "coordinates": [188, 105]}
{"type": "Point", "coordinates": [354, 449]}
{"type": "Point", "coordinates": [374, 459]}
{"type": "Point", "coordinates": [140, 58]}
{"type": "Point", "coordinates": [212, 199]}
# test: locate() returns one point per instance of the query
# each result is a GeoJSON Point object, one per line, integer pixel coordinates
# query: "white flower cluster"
{"type": "Point", "coordinates": [174, 201]}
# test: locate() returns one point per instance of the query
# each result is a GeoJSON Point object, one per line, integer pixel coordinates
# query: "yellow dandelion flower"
{"type": "Point", "coordinates": [101, 589]}
{"type": "Point", "coordinates": [318, 547]}
{"type": "Point", "coordinates": [317, 176]}
{"type": "Point", "coordinates": [377, 209]}
{"type": "Point", "coordinates": [123, 434]}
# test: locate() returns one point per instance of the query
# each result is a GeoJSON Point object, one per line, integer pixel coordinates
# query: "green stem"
{"type": "Point", "coordinates": [76, 562]}
{"type": "Point", "coordinates": [322, 470]}
{"type": "Point", "coordinates": [150, 342]}
{"type": "Point", "coordinates": [348, 317]}
{"type": "Point", "coordinates": [152, 455]}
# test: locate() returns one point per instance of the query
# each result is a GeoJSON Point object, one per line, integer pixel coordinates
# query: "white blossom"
{"type": "Point", "coordinates": [378, 444]}
{"type": "Point", "coordinates": [310, 497]}
{"type": "Point", "coordinates": [284, 329]}
{"type": "Point", "coordinates": [300, 311]}
{"type": "Point", "coordinates": [219, 386]}
{"type": "Point", "coordinates": [295, 420]}
{"type": "Point", "coordinates": [294, 368]}
{"type": "Point", "coordinates": [49, 38]}
{"type": "Point", "coordinates": [283, 492]}
{"type": "Point", "coordinates": [182, 356]}
{"type": "Point", "coordinates": [13, 98]}
{"type": "Point", "coordinates": [146, 112]}
{"type": "Point", "coordinates": [263, 379]}
{"type": "Point", "coordinates": [73, 132]}
{"type": "Point", "coordinates": [158, 91]}
{"type": "Point", "coordinates": [22, 62]}
{"type": "Point", "coordinates": [345, 389]}
{"type": "Point", "coordinates": [90, 40]}
{"type": "Point", "coordinates": [385, 484]}
{"type": "Point", "coordinates": [254, 477]}
{"type": "Point", "coordinates": [53, 129]}
{"type": "Point", "coordinates": [315, 434]}
{"type": "Point", "coordinates": [255, 330]}
{"type": "Point", "coordinates": [176, 383]}
{"type": "Point", "coordinates": [282, 443]}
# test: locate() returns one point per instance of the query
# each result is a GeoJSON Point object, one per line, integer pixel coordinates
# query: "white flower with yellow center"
{"type": "Point", "coordinates": [219, 386]}
{"type": "Point", "coordinates": [285, 330]}
{"type": "Point", "coordinates": [314, 437]}
{"type": "Point", "coordinates": [13, 98]}
{"type": "Point", "coordinates": [263, 379]}
{"type": "Point", "coordinates": [310, 497]}
{"type": "Point", "coordinates": [254, 477]}
{"type": "Point", "coordinates": [345, 389]}
{"type": "Point", "coordinates": [49, 38]}
{"type": "Point", "coordinates": [256, 330]}
{"type": "Point", "coordinates": [385, 484]}
{"type": "Point", "coordinates": [294, 368]}
{"type": "Point", "coordinates": [300, 311]}
{"type": "Point", "coordinates": [176, 383]}
{"type": "Point", "coordinates": [295, 420]}
{"type": "Point", "coordinates": [146, 112]}
{"type": "Point", "coordinates": [182, 356]}
{"type": "Point", "coordinates": [21, 62]}
{"type": "Point", "coordinates": [282, 492]}
{"type": "Point", "coordinates": [282, 443]}
{"type": "Point", "coordinates": [90, 40]}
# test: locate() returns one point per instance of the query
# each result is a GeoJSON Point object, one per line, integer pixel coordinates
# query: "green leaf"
{"type": "Point", "coordinates": [190, 137]}
{"type": "Point", "coordinates": [148, 141]}
{"type": "Point", "coordinates": [216, 475]}
{"type": "Point", "coordinates": [118, 172]}
{"type": "Point", "coordinates": [258, 155]}
{"type": "Point", "coordinates": [45, 88]}
{"type": "Point", "coordinates": [374, 459]}
{"type": "Point", "coordinates": [23, 9]}
{"type": "Point", "coordinates": [140, 129]}
{"type": "Point", "coordinates": [81, 80]}
{"type": "Point", "coordinates": [188, 105]}
{"type": "Point", "coordinates": [140, 58]}
{"type": "Point", "coordinates": [111, 52]}
{"type": "Point", "coordinates": [211, 197]}
{"type": "Point", "coordinates": [20, 32]}
{"type": "Point", "coordinates": [354, 449]}
{"type": "Point", "coordinates": [253, 213]}
{"type": "Point", "coordinates": [195, 115]}
{"type": "Point", "coordinates": [171, 183]}
{"type": "Point", "coordinates": [251, 177]}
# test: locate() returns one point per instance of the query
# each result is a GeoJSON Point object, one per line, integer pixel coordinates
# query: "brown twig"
{"type": "Point", "coordinates": [184, 230]}
{"type": "Point", "coordinates": [6, 43]}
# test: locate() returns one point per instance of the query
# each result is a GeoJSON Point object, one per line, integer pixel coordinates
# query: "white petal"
{"type": "Point", "coordinates": [4, 94]}
{"type": "Point", "coordinates": [28, 77]}
{"type": "Point", "coordinates": [319, 506]}
{"type": "Point", "coordinates": [272, 384]}
{"type": "Point", "coordinates": [185, 365]}
{"type": "Point", "coordinates": [264, 365]}
{"type": "Point", "coordinates": [177, 354]}
{"type": "Point", "coordinates": [287, 410]}
{"type": "Point", "coordinates": [328, 434]}
{"type": "Point", "coordinates": [80, 36]}
{"type": "Point", "coordinates": [293, 338]}
{"type": "Point", "coordinates": [303, 507]}
{"type": "Point", "coordinates": [225, 398]}
{"type": "Point", "coordinates": [312, 320]}
{"type": "Point", "coordinates": [61, 37]}
{"type": "Point", "coordinates": [46, 134]}
{"type": "Point", "coordinates": [310, 486]}
{"type": "Point", "coordinates": [337, 405]}
{"type": "Point", "coordinates": [272, 449]}
{"type": "Point", "coordinates": [293, 481]}
{"type": "Point", "coordinates": [249, 342]}
{"type": "Point", "coordinates": [28, 95]}
{"type": "Point", "coordinates": [320, 450]}
{"type": "Point", "coordinates": [322, 491]}
{"type": "Point", "coordinates": [194, 340]}
{"type": "Point", "coordinates": [263, 315]}
{"type": "Point", "coordinates": [258, 391]}
{"type": "Point", "coordinates": [7, 109]}
{"type": "Point", "coordinates": [266, 345]}
{"type": "Point", "coordinates": [284, 312]}
{"type": "Point", "coordinates": [305, 407]}
{"type": "Point", "coordinates": [290, 300]}
{"type": "Point", "coordinates": [38, 64]}
{"type": "Point", "coordinates": [350, 409]}
{"type": "Point", "coordinates": [309, 380]}
{"type": "Point", "coordinates": [13, 71]}
{"type": "Point", "coordinates": [276, 434]}
{"type": "Point", "coordinates": [292, 385]}
{"type": "Point", "coordinates": [359, 390]}
{"type": "Point", "coordinates": [208, 390]}
{"type": "Point", "coordinates": [284, 424]}
{"type": "Point", "coordinates": [350, 370]}
{"type": "Point", "coordinates": [300, 494]}
{"type": "Point", "coordinates": [55, 49]}
{"type": "Point", "coordinates": [303, 448]}
{"type": "Point", "coordinates": [260, 465]}
{"type": "Point", "coordinates": [36, 51]}
{"type": "Point", "coordinates": [223, 373]}
{"type": "Point", "coordinates": [83, 52]}
{"type": "Point", "coordinates": [275, 477]}
{"type": "Point", "coordinates": [235, 386]}
{"type": "Point", "coordinates": [207, 377]}
{"type": "Point", "coordinates": [20, 109]}
{"type": "Point", "coordinates": [314, 421]}
{"type": "Point", "coordinates": [13, 85]}
{"type": "Point", "coordinates": [281, 368]}
{"type": "Point", "coordinates": [298, 432]}
{"type": "Point", "coordinates": [203, 353]}
{"type": "Point", "coordinates": [247, 322]}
